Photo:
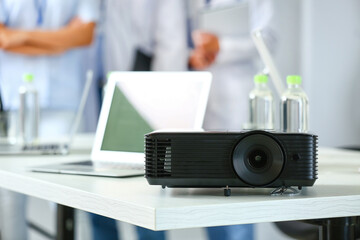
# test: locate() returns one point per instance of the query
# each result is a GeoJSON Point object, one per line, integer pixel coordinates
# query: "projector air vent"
{"type": "Point", "coordinates": [158, 158]}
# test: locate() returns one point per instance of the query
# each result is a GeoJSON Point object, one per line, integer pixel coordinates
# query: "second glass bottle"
{"type": "Point", "coordinates": [294, 107]}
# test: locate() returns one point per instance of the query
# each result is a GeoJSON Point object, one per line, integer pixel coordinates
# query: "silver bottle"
{"type": "Point", "coordinates": [261, 106]}
{"type": "Point", "coordinates": [29, 110]}
{"type": "Point", "coordinates": [294, 108]}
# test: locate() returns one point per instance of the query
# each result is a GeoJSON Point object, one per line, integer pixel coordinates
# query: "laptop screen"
{"type": "Point", "coordinates": [125, 127]}
{"type": "Point", "coordinates": [136, 103]}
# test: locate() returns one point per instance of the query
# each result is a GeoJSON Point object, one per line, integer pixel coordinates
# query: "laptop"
{"type": "Point", "coordinates": [136, 103]}
{"type": "Point", "coordinates": [44, 146]}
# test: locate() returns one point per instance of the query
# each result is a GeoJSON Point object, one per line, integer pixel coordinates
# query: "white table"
{"type": "Point", "coordinates": [335, 194]}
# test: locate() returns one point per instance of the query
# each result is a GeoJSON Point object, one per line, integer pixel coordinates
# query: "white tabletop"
{"type": "Point", "coordinates": [336, 193]}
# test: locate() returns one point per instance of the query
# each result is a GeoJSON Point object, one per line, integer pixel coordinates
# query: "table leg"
{"type": "Point", "coordinates": [340, 228]}
{"type": "Point", "coordinates": [346, 228]}
{"type": "Point", "coordinates": [65, 223]}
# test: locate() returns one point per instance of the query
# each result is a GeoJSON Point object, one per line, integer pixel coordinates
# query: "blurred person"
{"type": "Point", "coordinates": [141, 35]}
{"type": "Point", "coordinates": [45, 38]}
{"type": "Point", "coordinates": [232, 61]}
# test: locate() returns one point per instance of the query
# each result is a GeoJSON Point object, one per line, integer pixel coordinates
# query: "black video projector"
{"type": "Point", "coordinates": [230, 159]}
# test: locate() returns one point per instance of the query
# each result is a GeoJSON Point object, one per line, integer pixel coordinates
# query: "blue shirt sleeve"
{"type": "Point", "coordinates": [2, 12]}
{"type": "Point", "coordinates": [89, 10]}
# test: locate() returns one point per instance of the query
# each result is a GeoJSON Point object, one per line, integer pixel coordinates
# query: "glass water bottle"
{"type": "Point", "coordinates": [261, 105]}
{"type": "Point", "coordinates": [294, 107]}
{"type": "Point", "coordinates": [28, 110]}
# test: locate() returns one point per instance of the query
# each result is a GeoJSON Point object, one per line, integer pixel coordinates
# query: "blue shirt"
{"type": "Point", "coordinates": [59, 79]}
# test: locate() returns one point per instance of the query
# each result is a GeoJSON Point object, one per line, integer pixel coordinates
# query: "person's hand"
{"type": "Point", "coordinates": [199, 59]}
{"type": "Point", "coordinates": [11, 38]}
{"type": "Point", "coordinates": [208, 42]}
{"type": "Point", "coordinates": [206, 49]}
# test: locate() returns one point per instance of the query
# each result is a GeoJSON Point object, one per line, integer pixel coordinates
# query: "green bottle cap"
{"type": "Point", "coordinates": [27, 77]}
{"type": "Point", "coordinates": [260, 78]}
{"type": "Point", "coordinates": [293, 79]}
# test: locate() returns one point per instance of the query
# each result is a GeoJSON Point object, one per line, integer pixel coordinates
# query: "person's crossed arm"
{"type": "Point", "coordinates": [38, 42]}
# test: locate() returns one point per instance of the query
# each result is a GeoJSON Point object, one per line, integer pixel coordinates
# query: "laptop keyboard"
{"type": "Point", "coordinates": [46, 148]}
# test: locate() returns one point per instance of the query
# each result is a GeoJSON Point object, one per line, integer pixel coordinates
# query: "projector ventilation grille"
{"type": "Point", "coordinates": [158, 158]}
{"type": "Point", "coordinates": [197, 157]}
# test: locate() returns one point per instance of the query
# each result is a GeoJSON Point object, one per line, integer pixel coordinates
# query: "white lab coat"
{"type": "Point", "coordinates": [233, 69]}
{"type": "Point", "coordinates": [157, 28]}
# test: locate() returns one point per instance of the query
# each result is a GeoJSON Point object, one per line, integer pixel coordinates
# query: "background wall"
{"type": "Point", "coordinates": [330, 66]}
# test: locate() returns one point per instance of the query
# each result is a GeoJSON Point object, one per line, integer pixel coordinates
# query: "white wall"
{"type": "Point", "coordinates": [330, 66]}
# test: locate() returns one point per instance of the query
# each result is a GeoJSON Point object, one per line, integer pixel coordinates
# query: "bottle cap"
{"type": "Point", "coordinates": [27, 77]}
{"type": "Point", "coordinates": [293, 79]}
{"type": "Point", "coordinates": [260, 78]}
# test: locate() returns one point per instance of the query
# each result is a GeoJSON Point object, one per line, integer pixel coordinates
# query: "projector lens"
{"type": "Point", "coordinates": [257, 159]}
